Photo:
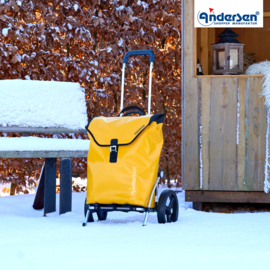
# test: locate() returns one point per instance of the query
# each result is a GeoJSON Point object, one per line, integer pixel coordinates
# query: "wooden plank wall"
{"type": "Point", "coordinates": [215, 110]}
{"type": "Point", "coordinates": [231, 106]}
{"type": "Point", "coordinates": [205, 117]}
{"type": "Point", "coordinates": [190, 157]}
{"type": "Point", "coordinates": [223, 133]}
{"type": "Point", "coordinates": [257, 124]}
{"type": "Point", "coordinates": [241, 146]}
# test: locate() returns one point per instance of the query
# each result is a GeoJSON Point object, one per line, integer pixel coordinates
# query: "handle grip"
{"type": "Point", "coordinates": [133, 112]}
{"type": "Point", "coordinates": [136, 53]}
{"type": "Point", "coordinates": [137, 108]}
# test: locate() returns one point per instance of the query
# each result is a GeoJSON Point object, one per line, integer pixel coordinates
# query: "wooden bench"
{"type": "Point", "coordinates": [44, 107]}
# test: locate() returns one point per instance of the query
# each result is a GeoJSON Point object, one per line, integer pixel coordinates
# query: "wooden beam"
{"type": "Point", "coordinates": [241, 146]}
{"type": "Point", "coordinates": [190, 115]}
{"type": "Point", "coordinates": [41, 129]}
{"type": "Point", "coordinates": [198, 48]}
{"type": "Point", "coordinates": [198, 206]}
{"type": "Point", "coordinates": [266, 14]}
{"type": "Point", "coordinates": [226, 196]}
{"type": "Point", "coordinates": [256, 130]}
{"type": "Point", "coordinates": [204, 50]}
{"type": "Point", "coordinates": [206, 86]}
{"type": "Point", "coordinates": [195, 32]}
{"type": "Point", "coordinates": [211, 40]}
{"type": "Point", "coordinates": [43, 154]}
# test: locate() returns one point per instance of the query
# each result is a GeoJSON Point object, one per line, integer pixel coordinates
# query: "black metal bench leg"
{"type": "Point", "coordinates": [39, 197]}
{"type": "Point", "coordinates": [65, 185]}
{"type": "Point", "coordinates": [50, 186]}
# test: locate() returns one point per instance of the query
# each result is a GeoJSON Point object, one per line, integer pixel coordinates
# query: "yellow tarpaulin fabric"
{"type": "Point", "coordinates": [131, 178]}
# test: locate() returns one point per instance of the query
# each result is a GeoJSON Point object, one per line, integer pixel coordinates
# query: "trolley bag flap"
{"type": "Point", "coordinates": [120, 131]}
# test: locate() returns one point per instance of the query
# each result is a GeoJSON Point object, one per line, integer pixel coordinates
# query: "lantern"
{"type": "Point", "coordinates": [228, 54]}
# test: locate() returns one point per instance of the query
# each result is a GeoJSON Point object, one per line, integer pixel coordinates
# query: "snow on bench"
{"type": "Point", "coordinates": [44, 107]}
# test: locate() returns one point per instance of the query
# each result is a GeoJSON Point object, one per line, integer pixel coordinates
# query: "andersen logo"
{"type": "Point", "coordinates": [210, 18]}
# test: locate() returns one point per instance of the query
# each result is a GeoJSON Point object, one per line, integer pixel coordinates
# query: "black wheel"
{"type": "Point", "coordinates": [102, 215]}
{"type": "Point", "coordinates": [167, 208]}
{"type": "Point", "coordinates": [90, 218]}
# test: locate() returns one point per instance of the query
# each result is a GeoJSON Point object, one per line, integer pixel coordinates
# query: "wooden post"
{"type": "Point", "coordinates": [198, 206]}
{"type": "Point", "coordinates": [204, 50]}
{"type": "Point", "coordinates": [65, 185]}
{"type": "Point", "coordinates": [211, 40]}
{"type": "Point", "coordinates": [190, 103]}
{"type": "Point", "coordinates": [50, 186]}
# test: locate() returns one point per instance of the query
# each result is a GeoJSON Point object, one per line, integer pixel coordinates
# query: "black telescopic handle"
{"type": "Point", "coordinates": [136, 53]}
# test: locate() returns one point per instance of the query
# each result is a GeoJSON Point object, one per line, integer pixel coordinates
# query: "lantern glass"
{"type": "Point", "coordinates": [234, 58]}
{"type": "Point", "coordinates": [220, 59]}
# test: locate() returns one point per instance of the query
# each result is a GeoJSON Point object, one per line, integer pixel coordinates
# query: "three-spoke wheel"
{"type": "Point", "coordinates": [102, 215]}
{"type": "Point", "coordinates": [167, 208]}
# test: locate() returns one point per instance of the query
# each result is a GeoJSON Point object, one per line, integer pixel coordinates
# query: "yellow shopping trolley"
{"type": "Point", "coordinates": [123, 162]}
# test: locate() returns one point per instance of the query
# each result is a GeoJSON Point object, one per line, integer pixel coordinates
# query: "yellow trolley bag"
{"type": "Point", "coordinates": [123, 162]}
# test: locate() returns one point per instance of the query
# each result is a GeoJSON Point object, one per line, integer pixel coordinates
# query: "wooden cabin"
{"type": "Point", "coordinates": [224, 119]}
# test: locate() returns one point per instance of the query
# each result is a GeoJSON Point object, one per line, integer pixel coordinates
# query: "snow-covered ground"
{"type": "Point", "coordinates": [198, 240]}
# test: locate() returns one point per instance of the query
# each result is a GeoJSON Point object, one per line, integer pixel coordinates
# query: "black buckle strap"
{"type": "Point", "coordinates": [113, 151]}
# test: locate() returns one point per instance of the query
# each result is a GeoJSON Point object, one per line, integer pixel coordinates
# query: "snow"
{"type": "Point", "coordinates": [199, 240]}
{"type": "Point", "coordinates": [120, 7]}
{"type": "Point", "coordinates": [42, 144]}
{"type": "Point", "coordinates": [237, 117]}
{"type": "Point", "coordinates": [42, 104]}
{"type": "Point", "coordinates": [200, 140]}
{"type": "Point", "coordinates": [5, 31]}
{"type": "Point", "coordinates": [143, 4]}
{"type": "Point", "coordinates": [120, 42]}
{"type": "Point", "coordinates": [201, 162]}
{"type": "Point", "coordinates": [75, 7]}
{"type": "Point", "coordinates": [262, 68]}
{"type": "Point", "coordinates": [266, 164]}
